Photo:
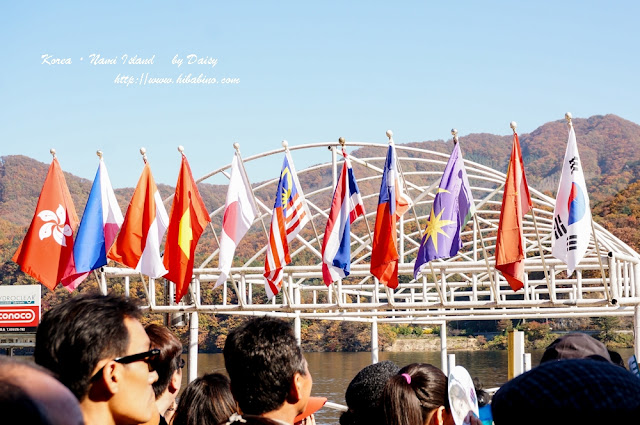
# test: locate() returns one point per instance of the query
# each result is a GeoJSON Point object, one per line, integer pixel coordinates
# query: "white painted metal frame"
{"type": "Point", "coordinates": [465, 287]}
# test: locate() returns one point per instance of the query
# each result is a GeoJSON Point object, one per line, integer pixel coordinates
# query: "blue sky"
{"type": "Point", "coordinates": [309, 73]}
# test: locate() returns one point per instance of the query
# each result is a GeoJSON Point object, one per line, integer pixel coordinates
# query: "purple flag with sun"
{"type": "Point", "coordinates": [452, 208]}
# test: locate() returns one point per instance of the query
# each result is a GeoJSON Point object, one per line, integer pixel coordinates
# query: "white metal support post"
{"type": "Point", "coordinates": [193, 346]}
{"type": "Point", "coordinates": [443, 348]}
{"type": "Point", "coordinates": [374, 340]}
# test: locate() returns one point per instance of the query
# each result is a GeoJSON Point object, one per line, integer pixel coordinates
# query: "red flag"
{"type": "Point", "coordinates": [138, 243]}
{"type": "Point", "coordinates": [516, 202]}
{"type": "Point", "coordinates": [46, 252]}
{"type": "Point", "coordinates": [187, 221]}
{"type": "Point", "coordinates": [392, 203]}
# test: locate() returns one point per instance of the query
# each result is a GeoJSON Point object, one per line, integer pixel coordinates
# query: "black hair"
{"type": "Point", "coordinates": [168, 361]}
{"type": "Point", "coordinates": [262, 357]}
{"type": "Point", "coordinates": [483, 397]}
{"type": "Point", "coordinates": [364, 392]}
{"type": "Point", "coordinates": [18, 407]}
{"type": "Point", "coordinates": [74, 336]}
{"type": "Point", "coordinates": [410, 400]}
{"type": "Point", "coordinates": [206, 401]}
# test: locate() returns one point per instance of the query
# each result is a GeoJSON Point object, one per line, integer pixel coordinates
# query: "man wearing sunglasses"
{"type": "Point", "coordinates": [97, 347]}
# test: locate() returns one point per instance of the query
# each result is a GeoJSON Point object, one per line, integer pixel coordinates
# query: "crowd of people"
{"type": "Point", "coordinates": [96, 364]}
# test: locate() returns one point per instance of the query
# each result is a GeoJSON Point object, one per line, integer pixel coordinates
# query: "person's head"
{"type": "Point", "coordinates": [580, 391]}
{"type": "Point", "coordinates": [206, 401]}
{"type": "Point", "coordinates": [417, 395]}
{"type": "Point", "coordinates": [575, 346]}
{"type": "Point", "coordinates": [363, 394]}
{"type": "Point", "coordinates": [29, 394]}
{"type": "Point", "coordinates": [97, 347]}
{"type": "Point", "coordinates": [267, 368]}
{"type": "Point", "coordinates": [616, 358]}
{"type": "Point", "coordinates": [169, 362]}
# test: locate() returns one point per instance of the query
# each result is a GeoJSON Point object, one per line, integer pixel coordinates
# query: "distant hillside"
{"type": "Point", "coordinates": [609, 149]}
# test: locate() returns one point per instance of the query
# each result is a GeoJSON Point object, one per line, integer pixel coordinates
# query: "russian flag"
{"type": "Point", "coordinates": [345, 208]}
{"type": "Point", "coordinates": [100, 223]}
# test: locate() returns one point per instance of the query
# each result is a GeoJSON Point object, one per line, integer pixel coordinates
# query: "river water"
{"type": "Point", "coordinates": [332, 372]}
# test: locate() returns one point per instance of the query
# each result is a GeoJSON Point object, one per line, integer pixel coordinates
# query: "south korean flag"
{"type": "Point", "coordinates": [571, 214]}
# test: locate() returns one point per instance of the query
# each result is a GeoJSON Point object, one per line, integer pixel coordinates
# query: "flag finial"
{"type": "Point", "coordinates": [52, 151]}
{"type": "Point", "coordinates": [181, 149]}
{"type": "Point", "coordinates": [342, 141]}
{"type": "Point", "coordinates": [143, 152]}
{"type": "Point", "coordinates": [568, 117]}
{"type": "Point", "coordinates": [285, 145]}
{"type": "Point", "coordinates": [390, 136]}
{"type": "Point", "coordinates": [454, 133]}
{"type": "Point", "coordinates": [99, 153]}
{"type": "Point", "coordinates": [513, 125]}
{"type": "Point", "coordinates": [236, 146]}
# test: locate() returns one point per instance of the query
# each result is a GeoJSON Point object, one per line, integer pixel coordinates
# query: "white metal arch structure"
{"type": "Point", "coordinates": [466, 287]}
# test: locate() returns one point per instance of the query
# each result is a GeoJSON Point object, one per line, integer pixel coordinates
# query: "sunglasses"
{"type": "Point", "coordinates": [147, 357]}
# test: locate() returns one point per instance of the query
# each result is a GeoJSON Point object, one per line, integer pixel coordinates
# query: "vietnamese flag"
{"type": "Point", "coordinates": [187, 221]}
{"type": "Point", "coordinates": [46, 252]}
{"type": "Point", "coordinates": [138, 243]}
{"type": "Point", "coordinates": [516, 202]}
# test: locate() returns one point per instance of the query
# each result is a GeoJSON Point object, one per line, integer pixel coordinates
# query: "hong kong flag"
{"type": "Point", "coordinates": [46, 252]}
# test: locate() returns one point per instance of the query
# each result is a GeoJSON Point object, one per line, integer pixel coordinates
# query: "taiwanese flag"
{"type": "Point", "coordinates": [187, 221]}
{"type": "Point", "coordinates": [138, 243]}
{"type": "Point", "coordinates": [46, 252]}
{"type": "Point", "coordinates": [516, 202]}
{"type": "Point", "coordinates": [392, 203]}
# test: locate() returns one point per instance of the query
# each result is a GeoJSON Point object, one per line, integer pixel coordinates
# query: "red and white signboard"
{"type": "Point", "coordinates": [19, 308]}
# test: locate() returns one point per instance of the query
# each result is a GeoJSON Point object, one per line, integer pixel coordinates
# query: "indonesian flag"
{"type": "Point", "coordinates": [516, 202]}
{"type": "Point", "coordinates": [138, 243]}
{"type": "Point", "coordinates": [572, 213]}
{"type": "Point", "coordinates": [239, 213]}
{"type": "Point", "coordinates": [99, 226]}
{"type": "Point", "coordinates": [188, 219]}
{"type": "Point", "coordinates": [46, 252]}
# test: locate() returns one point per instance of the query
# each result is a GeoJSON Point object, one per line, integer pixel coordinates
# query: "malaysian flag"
{"type": "Point", "coordinates": [290, 214]}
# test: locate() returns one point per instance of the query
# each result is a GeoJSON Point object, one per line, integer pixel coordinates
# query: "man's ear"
{"type": "Point", "coordinates": [295, 392]}
{"type": "Point", "coordinates": [109, 380]}
{"type": "Point", "coordinates": [176, 382]}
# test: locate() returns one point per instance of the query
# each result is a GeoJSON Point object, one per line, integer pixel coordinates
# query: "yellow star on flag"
{"type": "Point", "coordinates": [435, 226]}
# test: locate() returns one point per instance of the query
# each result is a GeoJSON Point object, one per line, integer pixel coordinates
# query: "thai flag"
{"type": "Point", "coordinates": [346, 206]}
{"type": "Point", "coordinates": [290, 214]}
{"type": "Point", "coordinates": [100, 223]}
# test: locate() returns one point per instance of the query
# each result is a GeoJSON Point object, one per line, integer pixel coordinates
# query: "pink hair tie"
{"type": "Point", "coordinates": [407, 377]}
